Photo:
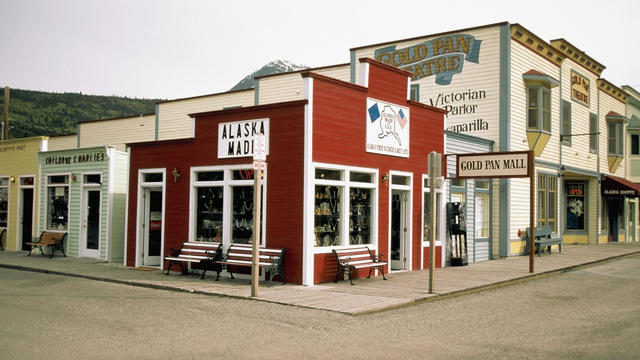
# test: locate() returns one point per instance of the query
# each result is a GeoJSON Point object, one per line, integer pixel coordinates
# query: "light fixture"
{"type": "Point", "coordinates": [176, 175]}
{"type": "Point", "coordinates": [12, 179]}
{"type": "Point", "coordinates": [385, 178]}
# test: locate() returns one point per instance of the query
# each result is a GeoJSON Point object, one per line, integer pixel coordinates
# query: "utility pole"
{"type": "Point", "coordinates": [6, 113]}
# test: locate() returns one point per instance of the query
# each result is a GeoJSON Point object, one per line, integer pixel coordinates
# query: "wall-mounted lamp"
{"type": "Point", "coordinates": [12, 179]}
{"type": "Point", "coordinates": [74, 178]}
{"type": "Point", "coordinates": [176, 175]}
{"type": "Point", "coordinates": [385, 178]}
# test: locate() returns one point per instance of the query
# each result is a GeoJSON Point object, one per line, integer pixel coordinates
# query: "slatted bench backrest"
{"type": "Point", "coordinates": [241, 254]}
{"type": "Point", "coordinates": [50, 238]}
{"type": "Point", "coordinates": [199, 249]}
{"type": "Point", "coordinates": [354, 256]}
{"type": "Point", "coordinates": [541, 232]}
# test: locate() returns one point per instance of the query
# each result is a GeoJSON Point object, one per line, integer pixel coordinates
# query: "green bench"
{"type": "Point", "coordinates": [543, 240]}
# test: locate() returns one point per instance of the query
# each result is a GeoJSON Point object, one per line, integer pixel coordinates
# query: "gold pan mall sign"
{"type": "Point", "coordinates": [493, 165]}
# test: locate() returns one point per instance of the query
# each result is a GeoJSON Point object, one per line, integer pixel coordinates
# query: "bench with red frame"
{"type": "Point", "coordinates": [204, 254]}
{"type": "Point", "coordinates": [354, 258]}
{"type": "Point", "coordinates": [53, 240]}
{"type": "Point", "coordinates": [242, 255]}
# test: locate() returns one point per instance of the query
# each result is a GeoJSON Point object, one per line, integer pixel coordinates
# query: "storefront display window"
{"type": "Point", "coordinates": [482, 209]}
{"type": "Point", "coordinates": [360, 216]}
{"type": "Point", "coordinates": [427, 211]}
{"type": "Point", "coordinates": [214, 214]}
{"type": "Point", "coordinates": [242, 221]}
{"type": "Point", "coordinates": [575, 206]}
{"type": "Point", "coordinates": [4, 201]}
{"type": "Point", "coordinates": [547, 200]}
{"type": "Point", "coordinates": [57, 202]}
{"type": "Point", "coordinates": [209, 209]}
{"type": "Point", "coordinates": [330, 217]}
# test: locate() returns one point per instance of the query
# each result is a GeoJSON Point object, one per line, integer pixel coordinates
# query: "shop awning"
{"type": "Point", "coordinates": [615, 186]}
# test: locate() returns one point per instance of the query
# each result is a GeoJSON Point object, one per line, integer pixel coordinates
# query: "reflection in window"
{"type": "Point", "coordinates": [360, 216]}
{"type": "Point", "coordinates": [327, 215]}
{"type": "Point", "coordinates": [427, 216]}
{"type": "Point", "coordinates": [57, 202]}
{"type": "Point", "coordinates": [209, 213]}
{"type": "Point", "coordinates": [242, 220]}
{"type": "Point", "coordinates": [4, 201]}
{"type": "Point", "coordinates": [482, 215]}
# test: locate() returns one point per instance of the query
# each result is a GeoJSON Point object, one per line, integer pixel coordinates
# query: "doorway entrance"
{"type": "Point", "coordinates": [90, 232]}
{"type": "Point", "coordinates": [400, 239]}
{"type": "Point", "coordinates": [26, 218]}
{"type": "Point", "coordinates": [152, 226]}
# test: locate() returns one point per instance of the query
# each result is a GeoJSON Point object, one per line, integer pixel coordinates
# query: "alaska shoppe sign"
{"type": "Point", "coordinates": [236, 139]}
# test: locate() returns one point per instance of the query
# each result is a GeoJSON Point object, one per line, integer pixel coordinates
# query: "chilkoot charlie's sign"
{"type": "Point", "coordinates": [235, 139]}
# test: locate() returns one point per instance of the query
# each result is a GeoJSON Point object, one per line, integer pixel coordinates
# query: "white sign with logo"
{"type": "Point", "coordinates": [236, 139]}
{"type": "Point", "coordinates": [387, 128]}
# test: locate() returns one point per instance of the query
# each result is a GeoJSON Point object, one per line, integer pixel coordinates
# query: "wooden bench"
{"type": "Point", "coordinates": [3, 233]}
{"type": "Point", "coordinates": [354, 258]}
{"type": "Point", "coordinates": [50, 239]}
{"type": "Point", "coordinates": [543, 238]}
{"type": "Point", "coordinates": [205, 254]}
{"type": "Point", "coordinates": [268, 259]}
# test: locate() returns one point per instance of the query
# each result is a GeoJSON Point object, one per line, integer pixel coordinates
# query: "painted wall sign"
{"type": "Point", "coordinates": [493, 165]}
{"type": "Point", "coordinates": [443, 56]}
{"type": "Point", "coordinates": [579, 88]}
{"type": "Point", "coordinates": [236, 139]}
{"type": "Point", "coordinates": [387, 128]}
{"type": "Point", "coordinates": [13, 148]}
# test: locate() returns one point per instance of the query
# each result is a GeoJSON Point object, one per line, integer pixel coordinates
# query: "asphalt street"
{"type": "Point", "coordinates": [592, 313]}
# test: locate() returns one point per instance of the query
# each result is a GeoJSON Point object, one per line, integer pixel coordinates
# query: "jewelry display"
{"type": "Point", "coordinates": [359, 216]}
{"type": "Point", "coordinates": [327, 215]}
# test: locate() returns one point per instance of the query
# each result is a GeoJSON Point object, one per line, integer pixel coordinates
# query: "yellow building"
{"type": "Point", "coordinates": [19, 190]}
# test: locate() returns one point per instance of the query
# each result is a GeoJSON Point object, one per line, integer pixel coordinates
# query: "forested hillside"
{"type": "Point", "coordinates": [33, 113]}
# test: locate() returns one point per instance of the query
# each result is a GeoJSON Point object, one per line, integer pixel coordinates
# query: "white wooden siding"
{"type": "Point", "coordinates": [577, 154]}
{"type": "Point", "coordinates": [64, 142]}
{"type": "Point", "coordinates": [523, 60]}
{"type": "Point", "coordinates": [607, 104]}
{"type": "Point", "coordinates": [117, 132]}
{"type": "Point", "coordinates": [285, 87]}
{"type": "Point", "coordinates": [173, 116]}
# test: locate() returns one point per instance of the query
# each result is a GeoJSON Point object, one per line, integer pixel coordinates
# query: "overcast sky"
{"type": "Point", "coordinates": [172, 49]}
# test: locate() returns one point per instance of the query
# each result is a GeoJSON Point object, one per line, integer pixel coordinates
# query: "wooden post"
{"type": "Point", "coordinates": [435, 161]}
{"type": "Point", "coordinates": [532, 208]}
{"type": "Point", "coordinates": [257, 197]}
{"type": "Point", "coordinates": [6, 114]}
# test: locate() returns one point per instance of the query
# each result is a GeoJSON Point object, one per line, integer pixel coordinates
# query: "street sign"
{"type": "Point", "coordinates": [493, 165]}
{"type": "Point", "coordinates": [259, 148]}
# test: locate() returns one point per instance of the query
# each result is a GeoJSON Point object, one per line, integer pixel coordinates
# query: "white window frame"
{"type": "Point", "coordinates": [46, 199]}
{"type": "Point", "coordinates": [227, 207]}
{"type": "Point", "coordinates": [346, 186]}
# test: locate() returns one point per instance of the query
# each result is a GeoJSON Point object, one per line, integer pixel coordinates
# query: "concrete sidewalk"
{"type": "Point", "coordinates": [367, 295]}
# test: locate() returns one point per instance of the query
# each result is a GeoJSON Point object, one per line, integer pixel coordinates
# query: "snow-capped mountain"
{"type": "Point", "coordinates": [274, 67]}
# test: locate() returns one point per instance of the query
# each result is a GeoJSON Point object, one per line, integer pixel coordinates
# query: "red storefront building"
{"type": "Point", "coordinates": [346, 166]}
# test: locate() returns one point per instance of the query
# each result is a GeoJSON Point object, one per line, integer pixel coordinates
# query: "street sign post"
{"type": "Point", "coordinates": [259, 160]}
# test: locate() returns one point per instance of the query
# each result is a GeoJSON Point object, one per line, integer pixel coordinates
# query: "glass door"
{"type": "Point", "coordinates": [399, 246]}
{"type": "Point", "coordinates": [152, 227]}
{"type": "Point", "coordinates": [90, 232]}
